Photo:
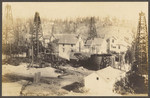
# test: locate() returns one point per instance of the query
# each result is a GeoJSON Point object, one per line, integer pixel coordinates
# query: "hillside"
{"type": "Point", "coordinates": [103, 26]}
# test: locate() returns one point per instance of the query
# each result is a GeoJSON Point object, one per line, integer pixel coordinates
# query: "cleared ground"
{"type": "Point", "coordinates": [61, 81]}
{"type": "Point", "coordinates": [17, 80]}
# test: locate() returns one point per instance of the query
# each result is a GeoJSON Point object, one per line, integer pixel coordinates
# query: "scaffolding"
{"type": "Point", "coordinates": [92, 29]}
{"type": "Point", "coordinates": [35, 36]}
{"type": "Point", "coordinates": [141, 52]}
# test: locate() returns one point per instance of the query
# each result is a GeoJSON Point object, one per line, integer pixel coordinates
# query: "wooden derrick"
{"type": "Point", "coordinates": [141, 50]}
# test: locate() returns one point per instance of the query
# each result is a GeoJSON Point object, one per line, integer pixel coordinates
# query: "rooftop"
{"type": "Point", "coordinates": [96, 41]}
{"type": "Point", "coordinates": [67, 39]}
{"type": "Point", "coordinates": [109, 73]}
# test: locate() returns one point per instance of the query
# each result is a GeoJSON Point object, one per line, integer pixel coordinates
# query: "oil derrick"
{"type": "Point", "coordinates": [8, 32]}
{"type": "Point", "coordinates": [36, 34]}
{"type": "Point", "coordinates": [92, 31]}
{"type": "Point", "coordinates": [141, 52]}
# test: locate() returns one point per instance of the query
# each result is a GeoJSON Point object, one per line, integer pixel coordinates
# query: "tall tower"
{"type": "Point", "coordinates": [7, 30]}
{"type": "Point", "coordinates": [37, 34]}
{"type": "Point", "coordinates": [8, 25]}
{"type": "Point", "coordinates": [141, 53]}
{"type": "Point", "coordinates": [92, 31]}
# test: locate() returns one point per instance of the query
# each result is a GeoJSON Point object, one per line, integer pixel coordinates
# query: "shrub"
{"type": "Point", "coordinates": [132, 83]}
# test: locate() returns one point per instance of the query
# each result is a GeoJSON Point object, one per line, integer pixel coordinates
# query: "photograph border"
{"type": "Point", "coordinates": [77, 1]}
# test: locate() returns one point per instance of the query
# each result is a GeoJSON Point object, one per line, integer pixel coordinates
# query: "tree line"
{"type": "Point", "coordinates": [23, 28]}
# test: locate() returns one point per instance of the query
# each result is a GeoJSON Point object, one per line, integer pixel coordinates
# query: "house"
{"type": "Point", "coordinates": [111, 44]}
{"type": "Point", "coordinates": [96, 46]}
{"type": "Point", "coordinates": [79, 44]}
{"type": "Point", "coordinates": [69, 43]}
{"type": "Point", "coordinates": [122, 46]}
{"type": "Point", "coordinates": [87, 46]}
{"type": "Point", "coordinates": [116, 45]}
{"type": "Point", "coordinates": [103, 80]}
{"type": "Point", "coordinates": [99, 46]}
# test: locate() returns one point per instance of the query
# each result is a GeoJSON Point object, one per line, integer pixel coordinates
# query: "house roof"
{"type": "Point", "coordinates": [96, 41]}
{"type": "Point", "coordinates": [122, 43]}
{"type": "Point", "coordinates": [67, 39]}
{"type": "Point", "coordinates": [58, 36]}
{"type": "Point", "coordinates": [109, 73]}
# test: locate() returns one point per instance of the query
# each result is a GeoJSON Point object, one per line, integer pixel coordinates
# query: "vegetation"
{"type": "Point", "coordinates": [132, 83]}
{"type": "Point", "coordinates": [24, 28]}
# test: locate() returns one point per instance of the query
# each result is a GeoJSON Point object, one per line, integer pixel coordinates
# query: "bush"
{"type": "Point", "coordinates": [54, 60]}
{"type": "Point", "coordinates": [132, 83]}
{"type": "Point", "coordinates": [122, 87]}
{"type": "Point", "coordinates": [83, 59]}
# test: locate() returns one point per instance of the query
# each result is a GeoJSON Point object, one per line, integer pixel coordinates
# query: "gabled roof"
{"type": "Point", "coordinates": [98, 41]}
{"type": "Point", "coordinates": [58, 36]}
{"type": "Point", "coordinates": [114, 37]}
{"type": "Point", "coordinates": [109, 73]}
{"type": "Point", "coordinates": [67, 39]}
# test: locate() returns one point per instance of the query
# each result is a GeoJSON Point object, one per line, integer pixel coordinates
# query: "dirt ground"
{"type": "Point", "coordinates": [61, 81]}
{"type": "Point", "coordinates": [18, 80]}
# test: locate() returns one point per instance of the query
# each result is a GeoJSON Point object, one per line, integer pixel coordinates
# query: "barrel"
{"type": "Point", "coordinates": [96, 61]}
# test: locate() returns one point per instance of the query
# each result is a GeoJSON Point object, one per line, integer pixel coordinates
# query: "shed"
{"type": "Point", "coordinates": [103, 80]}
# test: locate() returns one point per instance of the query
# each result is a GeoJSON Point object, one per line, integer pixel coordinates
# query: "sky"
{"type": "Point", "coordinates": [53, 10]}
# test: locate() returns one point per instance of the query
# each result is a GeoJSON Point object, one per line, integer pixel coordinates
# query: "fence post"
{"type": "Point", "coordinates": [37, 77]}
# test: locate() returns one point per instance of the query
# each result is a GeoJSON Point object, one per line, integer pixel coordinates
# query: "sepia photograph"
{"type": "Point", "coordinates": [75, 49]}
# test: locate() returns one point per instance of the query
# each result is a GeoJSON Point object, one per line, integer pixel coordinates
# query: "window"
{"type": "Point", "coordinates": [119, 47]}
{"type": "Point", "coordinates": [113, 46]}
{"type": "Point", "coordinates": [97, 78]}
{"type": "Point", "coordinates": [71, 50]}
{"type": "Point", "coordinates": [112, 40]}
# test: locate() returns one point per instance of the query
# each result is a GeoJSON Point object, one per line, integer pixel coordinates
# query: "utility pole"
{"type": "Point", "coordinates": [141, 52]}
